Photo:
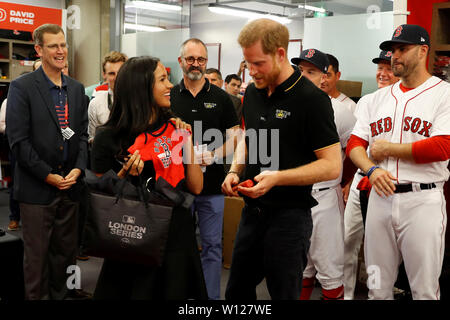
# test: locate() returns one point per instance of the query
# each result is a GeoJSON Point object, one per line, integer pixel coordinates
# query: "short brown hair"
{"type": "Point", "coordinates": [38, 33]}
{"type": "Point", "coordinates": [114, 57]}
{"type": "Point", "coordinates": [273, 35]}
{"type": "Point", "coordinates": [216, 71]}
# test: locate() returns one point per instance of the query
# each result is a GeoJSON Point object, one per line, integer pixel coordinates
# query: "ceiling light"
{"type": "Point", "coordinates": [153, 6]}
{"type": "Point", "coordinates": [246, 13]}
{"type": "Point", "coordinates": [140, 27]}
{"type": "Point", "coordinates": [312, 8]}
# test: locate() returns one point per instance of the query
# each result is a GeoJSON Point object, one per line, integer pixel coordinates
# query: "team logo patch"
{"type": "Point", "coordinates": [422, 39]}
{"type": "Point", "coordinates": [310, 53]}
{"type": "Point", "coordinates": [162, 146]}
{"type": "Point", "coordinates": [388, 54]}
{"type": "Point", "coordinates": [281, 114]}
{"type": "Point", "coordinates": [129, 219]}
{"type": "Point", "coordinates": [209, 105]}
{"type": "Point", "coordinates": [398, 32]}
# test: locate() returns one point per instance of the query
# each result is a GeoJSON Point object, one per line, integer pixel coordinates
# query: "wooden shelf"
{"type": "Point", "coordinates": [12, 68]}
{"type": "Point", "coordinates": [442, 47]}
{"type": "Point", "coordinates": [440, 32]}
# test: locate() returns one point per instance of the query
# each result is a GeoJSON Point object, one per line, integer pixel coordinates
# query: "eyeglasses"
{"type": "Point", "coordinates": [56, 46]}
{"type": "Point", "coordinates": [201, 61]}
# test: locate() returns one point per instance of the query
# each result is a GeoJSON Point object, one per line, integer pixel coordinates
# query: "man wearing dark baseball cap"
{"type": "Point", "coordinates": [398, 157]}
{"type": "Point", "coordinates": [385, 56]}
{"type": "Point", "coordinates": [407, 34]}
{"type": "Point", "coordinates": [409, 43]}
{"type": "Point", "coordinates": [315, 57]}
{"type": "Point", "coordinates": [326, 252]}
{"type": "Point", "coordinates": [384, 75]}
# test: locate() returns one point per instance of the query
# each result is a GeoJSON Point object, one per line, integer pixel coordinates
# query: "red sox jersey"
{"type": "Point", "coordinates": [345, 121]}
{"type": "Point", "coordinates": [164, 149]}
{"type": "Point", "coordinates": [406, 117]}
{"type": "Point", "coordinates": [349, 103]}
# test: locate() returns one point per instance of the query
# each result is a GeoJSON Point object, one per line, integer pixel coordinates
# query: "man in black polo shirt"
{"type": "Point", "coordinates": [210, 112]}
{"type": "Point", "coordinates": [275, 229]}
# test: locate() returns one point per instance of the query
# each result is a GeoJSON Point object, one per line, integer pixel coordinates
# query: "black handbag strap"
{"type": "Point", "coordinates": [124, 181]}
{"type": "Point", "coordinates": [143, 196]}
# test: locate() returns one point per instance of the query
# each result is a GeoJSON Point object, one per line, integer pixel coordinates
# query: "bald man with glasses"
{"type": "Point", "coordinates": [205, 107]}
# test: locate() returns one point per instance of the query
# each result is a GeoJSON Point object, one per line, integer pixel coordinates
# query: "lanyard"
{"type": "Point", "coordinates": [66, 113]}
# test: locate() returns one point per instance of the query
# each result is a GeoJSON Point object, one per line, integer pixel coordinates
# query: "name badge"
{"type": "Point", "coordinates": [67, 133]}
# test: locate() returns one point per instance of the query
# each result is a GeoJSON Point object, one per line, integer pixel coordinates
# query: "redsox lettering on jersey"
{"type": "Point", "coordinates": [407, 117]}
{"type": "Point", "coordinates": [410, 124]}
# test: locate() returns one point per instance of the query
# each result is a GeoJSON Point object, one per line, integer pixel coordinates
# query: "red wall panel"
{"type": "Point", "coordinates": [422, 12]}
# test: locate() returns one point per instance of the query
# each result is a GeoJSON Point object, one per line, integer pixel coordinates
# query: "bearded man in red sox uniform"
{"type": "Point", "coordinates": [407, 128]}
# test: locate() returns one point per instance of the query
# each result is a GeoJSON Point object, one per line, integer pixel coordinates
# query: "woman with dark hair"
{"type": "Point", "coordinates": [140, 113]}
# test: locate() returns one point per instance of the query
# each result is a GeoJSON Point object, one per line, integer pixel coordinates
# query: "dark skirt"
{"type": "Point", "coordinates": [179, 278]}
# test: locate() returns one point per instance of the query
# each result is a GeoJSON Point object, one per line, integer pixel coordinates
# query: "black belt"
{"type": "Point", "coordinates": [321, 189]}
{"type": "Point", "coordinates": [402, 188]}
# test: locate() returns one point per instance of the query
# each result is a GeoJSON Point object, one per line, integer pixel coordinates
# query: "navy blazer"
{"type": "Point", "coordinates": [35, 138]}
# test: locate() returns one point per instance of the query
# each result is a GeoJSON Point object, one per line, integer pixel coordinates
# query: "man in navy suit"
{"type": "Point", "coordinates": [47, 132]}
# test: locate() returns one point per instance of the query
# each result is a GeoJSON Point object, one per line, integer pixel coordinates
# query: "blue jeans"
{"type": "Point", "coordinates": [210, 222]}
{"type": "Point", "coordinates": [271, 243]}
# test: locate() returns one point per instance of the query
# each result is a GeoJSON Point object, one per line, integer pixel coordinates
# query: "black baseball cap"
{"type": "Point", "coordinates": [408, 34]}
{"type": "Point", "coordinates": [384, 56]}
{"type": "Point", "coordinates": [314, 56]}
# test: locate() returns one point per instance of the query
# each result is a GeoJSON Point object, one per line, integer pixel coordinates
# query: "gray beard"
{"type": "Point", "coordinates": [194, 76]}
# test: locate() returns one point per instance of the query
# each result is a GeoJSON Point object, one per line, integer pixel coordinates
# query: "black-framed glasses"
{"type": "Point", "coordinates": [200, 60]}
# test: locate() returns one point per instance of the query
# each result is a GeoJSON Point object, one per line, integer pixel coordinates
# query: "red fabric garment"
{"type": "Point", "coordinates": [333, 294]}
{"type": "Point", "coordinates": [364, 184]}
{"type": "Point", "coordinates": [103, 87]}
{"type": "Point", "coordinates": [405, 89]}
{"type": "Point", "coordinates": [164, 149]}
{"type": "Point", "coordinates": [432, 149]}
{"type": "Point", "coordinates": [307, 288]}
{"type": "Point", "coordinates": [355, 141]}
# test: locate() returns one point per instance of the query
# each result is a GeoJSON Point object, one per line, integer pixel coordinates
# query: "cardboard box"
{"type": "Point", "coordinates": [20, 66]}
{"type": "Point", "coordinates": [231, 218]}
{"type": "Point", "coordinates": [351, 89]}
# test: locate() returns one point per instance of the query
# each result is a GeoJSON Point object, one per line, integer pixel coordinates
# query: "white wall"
{"type": "Point", "coordinates": [86, 42]}
{"type": "Point", "coordinates": [163, 45]}
{"type": "Point", "coordinates": [354, 40]}
{"type": "Point", "coordinates": [227, 32]}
